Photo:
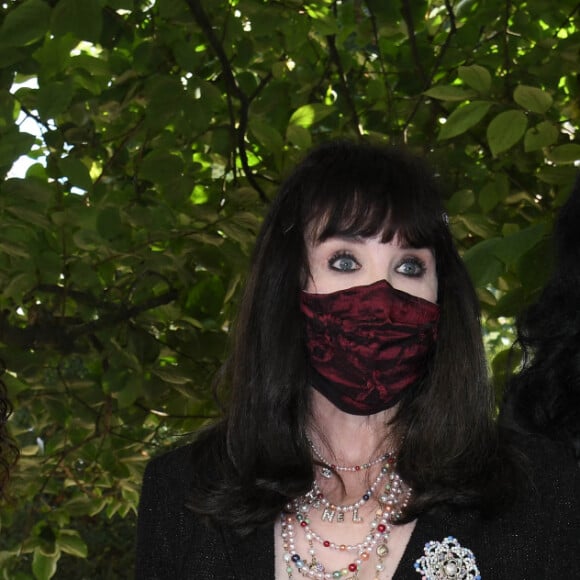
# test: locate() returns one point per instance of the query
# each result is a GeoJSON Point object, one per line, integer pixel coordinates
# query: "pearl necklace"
{"type": "Point", "coordinates": [329, 467]}
{"type": "Point", "coordinates": [317, 499]}
{"type": "Point", "coordinates": [391, 506]}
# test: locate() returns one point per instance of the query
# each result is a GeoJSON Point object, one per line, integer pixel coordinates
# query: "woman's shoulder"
{"type": "Point", "coordinates": [174, 464]}
{"type": "Point", "coordinates": [181, 463]}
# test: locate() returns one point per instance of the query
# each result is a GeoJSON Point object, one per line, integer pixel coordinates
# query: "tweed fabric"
{"type": "Point", "coordinates": [538, 538]}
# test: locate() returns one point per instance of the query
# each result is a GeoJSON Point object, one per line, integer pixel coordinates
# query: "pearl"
{"type": "Point", "coordinates": [451, 569]}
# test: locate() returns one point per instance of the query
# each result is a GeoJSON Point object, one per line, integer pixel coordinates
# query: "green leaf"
{"type": "Point", "coordinates": [267, 135]}
{"type": "Point", "coordinates": [44, 565]}
{"type": "Point", "coordinates": [494, 192]}
{"type": "Point", "coordinates": [25, 23]}
{"type": "Point", "coordinates": [308, 115]}
{"type": "Point", "coordinates": [477, 224]}
{"type": "Point", "coordinates": [505, 130]}
{"type": "Point", "coordinates": [76, 172]}
{"type": "Point", "coordinates": [20, 283]}
{"type": "Point", "coordinates": [109, 223]}
{"type": "Point", "coordinates": [299, 136]}
{"type": "Point", "coordinates": [533, 99]}
{"type": "Point", "coordinates": [128, 394]}
{"type": "Point", "coordinates": [484, 268]}
{"type": "Point", "coordinates": [14, 250]}
{"type": "Point", "coordinates": [461, 201]}
{"type": "Point", "coordinates": [511, 248]}
{"type": "Point", "coordinates": [81, 18]}
{"type": "Point", "coordinates": [463, 118]}
{"type": "Point", "coordinates": [558, 175]}
{"type": "Point", "coordinates": [13, 145]}
{"type": "Point", "coordinates": [172, 376]}
{"type": "Point", "coordinates": [160, 167]}
{"type": "Point", "coordinates": [166, 96]}
{"type": "Point", "coordinates": [565, 154]}
{"type": "Point", "coordinates": [29, 216]}
{"type": "Point", "coordinates": [54, 98]}
{"type": "Point", "coordinates": [87, 240]}
{"type": "Point", "coordinates": [542, 135]}
{"type": "Point", "coordinates": [10, 56]}
{"type": "Point", "coordinates": [450, 93]}
{"type": "Point", "coordinates": [70, 542]}
{"type": "Point", "coordinates": [477, 77]}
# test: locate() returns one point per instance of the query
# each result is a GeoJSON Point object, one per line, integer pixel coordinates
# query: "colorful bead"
{"type": "Point", "coordinates": [376, 538]}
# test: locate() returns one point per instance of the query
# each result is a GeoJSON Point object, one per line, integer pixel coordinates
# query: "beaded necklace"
{"type": "Point", "coordinates": [329, 467]}
{"type": "Point", "coordinates": [391, 504]}
{"type": "Point", "coordinates": [316, 498]}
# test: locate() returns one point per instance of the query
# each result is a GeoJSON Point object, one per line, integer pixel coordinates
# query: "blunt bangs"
{"type": "Point", "coordinates": [362, 190]}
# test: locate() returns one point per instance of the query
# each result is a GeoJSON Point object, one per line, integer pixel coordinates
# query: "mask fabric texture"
{"type": "Point", "coordinates": [367, 344]}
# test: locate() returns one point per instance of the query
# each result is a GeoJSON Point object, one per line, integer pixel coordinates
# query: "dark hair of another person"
{"type": "Point", "coordinates": [544, 397]}
{"type": "Point", "coordinates": [8, 450]}
{"type": "Point", "coordinates": [251, 463]}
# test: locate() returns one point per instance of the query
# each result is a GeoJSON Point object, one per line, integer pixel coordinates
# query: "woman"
{"type": "Point", "coordinates": [358, 440]}
{"type": "Point", "coordinates": [544, 397]}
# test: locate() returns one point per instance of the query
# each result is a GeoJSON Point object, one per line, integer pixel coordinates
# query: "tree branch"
{"type": "Point", "coordinates": [233, 91]}
{"type": "Point", "coordinates": [381, 60]}
{"type": "Point", "coordinates": [171, 415]}
{"type": "Point", "coordinates": [407, 14]}
{"type": "Point", "coordinates": [436, 64]}
{"type": "Point", "coordinates": [63, 334]}
{"type": "Point", "coordinates": [506, 49]}
{"type": "Point", "coordinates": [335, 58]}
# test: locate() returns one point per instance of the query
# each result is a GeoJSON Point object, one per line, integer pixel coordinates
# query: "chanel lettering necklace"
{"type": "Point", "coordinates": [330, 510]}
{"type": "Point", "coordinates": [391, 503]}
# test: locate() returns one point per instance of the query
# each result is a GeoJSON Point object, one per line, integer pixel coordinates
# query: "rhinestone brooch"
{"type": "Point", "coordinates": [447, 560]}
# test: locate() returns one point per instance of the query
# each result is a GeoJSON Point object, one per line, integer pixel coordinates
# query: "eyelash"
{"type": "Point", "coordinates": [343, 256]}
{"type": "Point", "coordinates": [414, 260]}
{"type": "Point", "coordinates": [417, 262]}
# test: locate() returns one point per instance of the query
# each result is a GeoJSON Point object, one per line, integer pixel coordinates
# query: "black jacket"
{"type": "Point", "coordinates": [538, 538]}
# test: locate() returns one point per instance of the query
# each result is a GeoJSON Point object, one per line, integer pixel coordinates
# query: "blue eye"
{"type": "Point", "coordinates": [412, 267]}
{"type": "Point", "coordinates": [344, 263]}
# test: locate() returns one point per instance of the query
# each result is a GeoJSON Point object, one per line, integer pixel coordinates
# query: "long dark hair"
{"type": "Point", "coordinates": [249, 465]}
{"type": "Point", "coordinates": [544, 397]}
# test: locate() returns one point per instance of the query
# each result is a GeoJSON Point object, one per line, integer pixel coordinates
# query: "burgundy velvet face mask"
{"type": "Point", "coordinates": [367, 344]}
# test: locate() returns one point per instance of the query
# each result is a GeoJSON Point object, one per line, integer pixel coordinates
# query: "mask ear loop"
{"type": "Point", "coordinates": [445, 217]}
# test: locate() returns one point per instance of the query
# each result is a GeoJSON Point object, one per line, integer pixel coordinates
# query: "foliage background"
{"type": "Point", "coordinates": [161, 130]}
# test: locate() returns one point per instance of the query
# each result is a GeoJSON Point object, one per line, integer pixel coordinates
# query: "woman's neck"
{"type": "Point", "coordinates": [346, 439]}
